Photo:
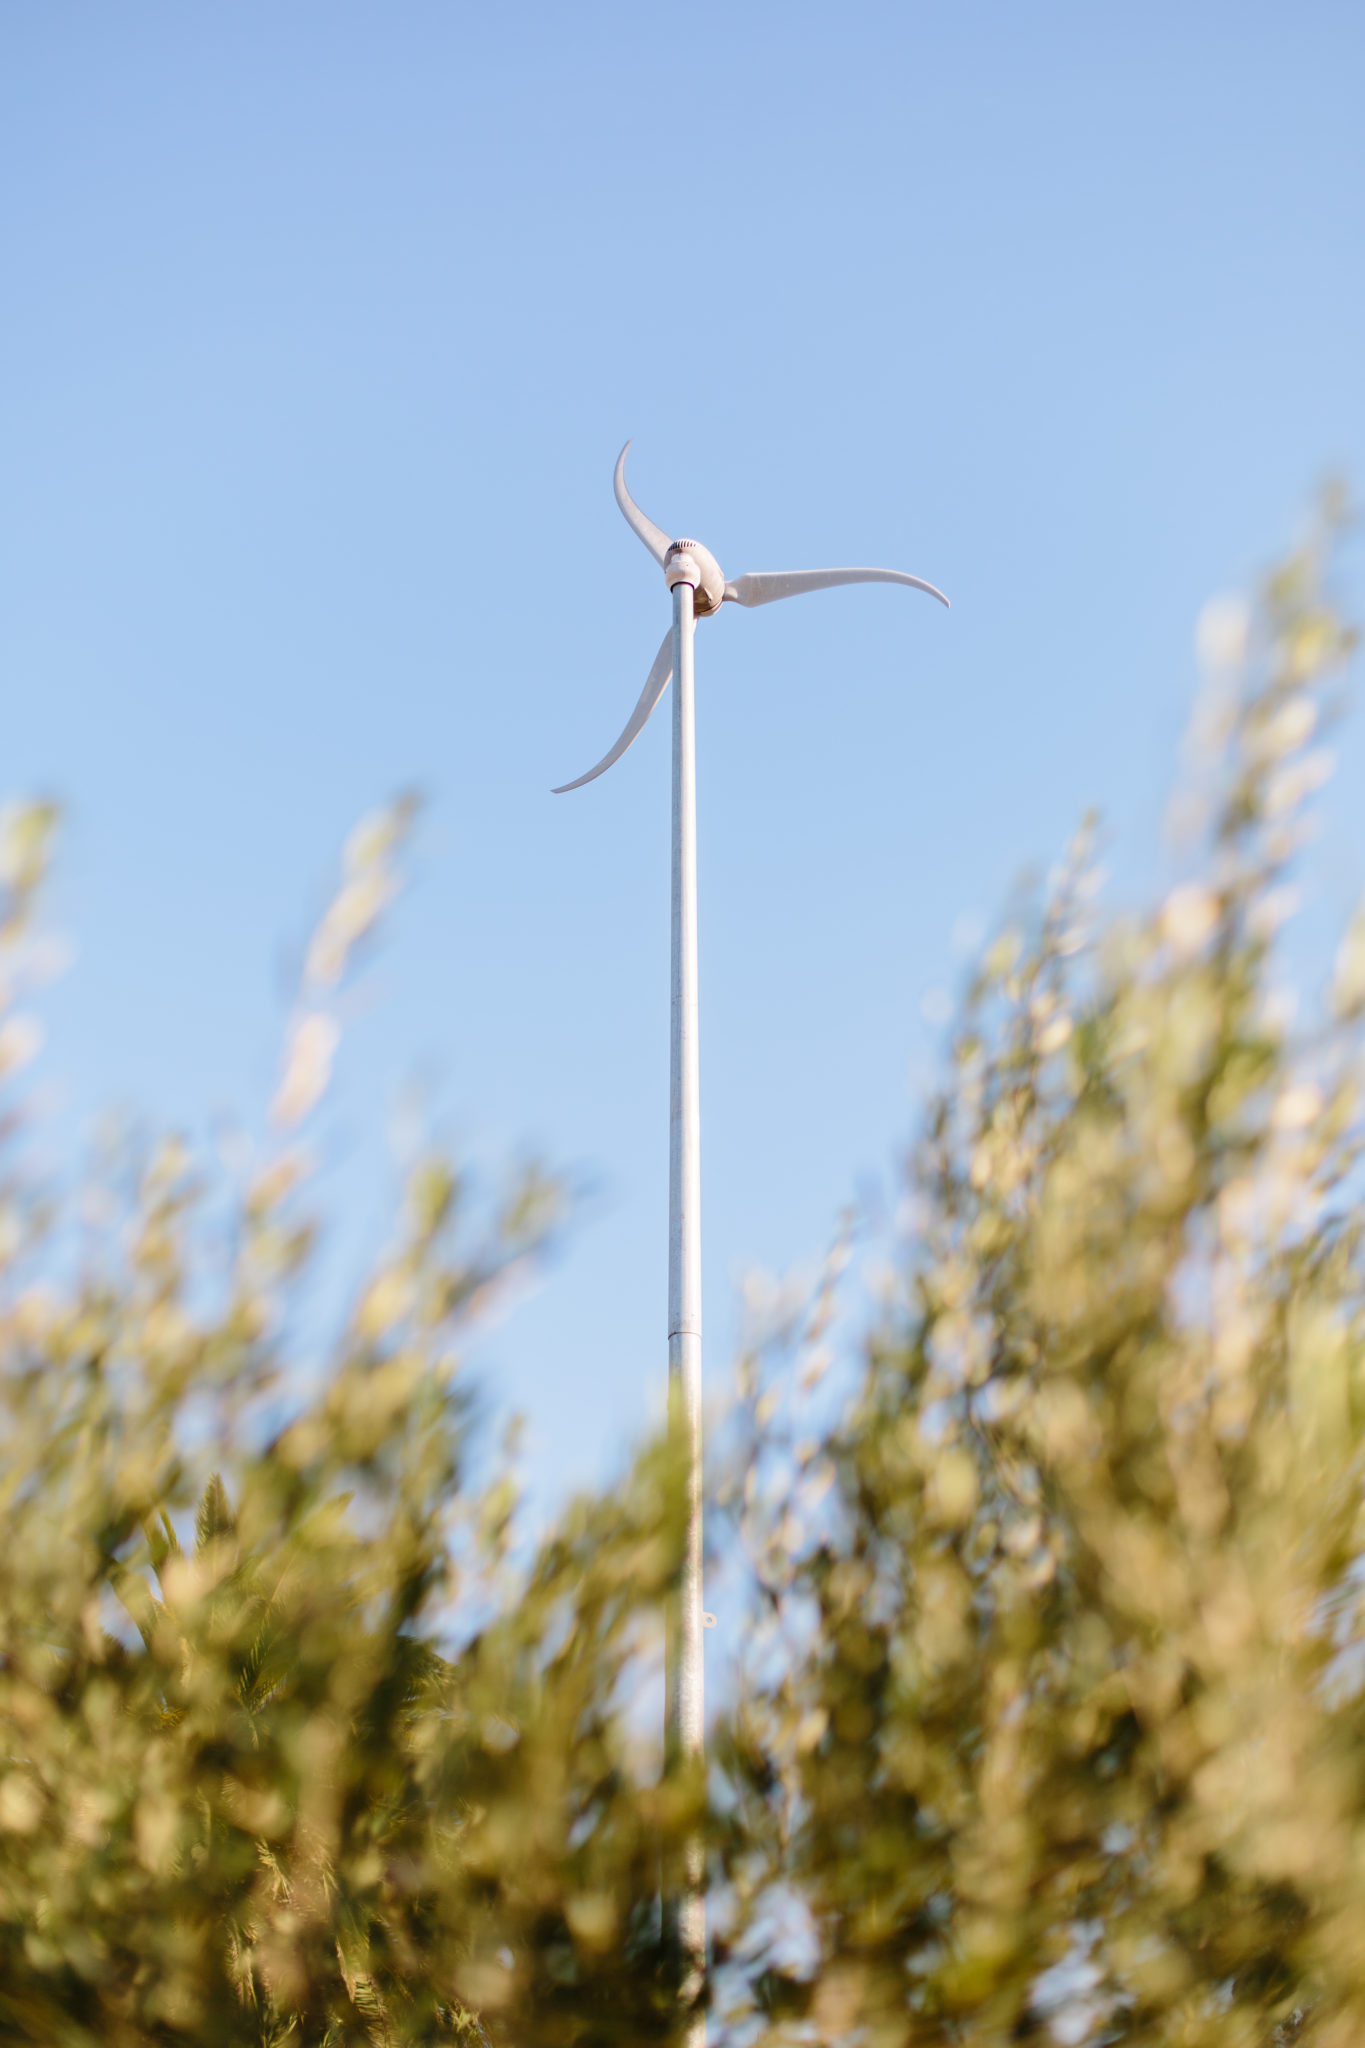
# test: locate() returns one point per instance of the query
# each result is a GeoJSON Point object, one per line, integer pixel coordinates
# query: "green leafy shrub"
{"type": "Point", "coordinates": [1056, 1727]}
{"type": "Point", "coordinates": [291, 1751]}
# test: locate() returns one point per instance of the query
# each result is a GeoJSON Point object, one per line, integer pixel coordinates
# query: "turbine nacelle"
{"type": "Point", "coordinates": [708, 582]}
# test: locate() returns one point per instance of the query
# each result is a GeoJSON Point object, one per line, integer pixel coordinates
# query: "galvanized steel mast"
{"type": "Point", "coordinates": [685, 1676]}
{"type": "Point", "coordinates": [699, 588]}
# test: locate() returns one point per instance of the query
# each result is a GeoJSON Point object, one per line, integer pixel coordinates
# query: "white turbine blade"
{"type": "Point", "coordinates": [770, 584]}
{"type": "Point", "coordinates": [656, 682]}
{"type": "Point", "coordinates": [654, 538]}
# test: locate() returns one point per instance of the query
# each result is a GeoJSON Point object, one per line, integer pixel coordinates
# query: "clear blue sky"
{"type": "Point", "coordinates": [323, 325]}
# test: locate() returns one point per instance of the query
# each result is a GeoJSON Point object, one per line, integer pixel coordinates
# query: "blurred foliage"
{"type": "Point", "coordinates": [1048, 1717]}
{"type": "Point", "coordinates": [1054, 1724]}
{"type": "Point", "coordinates": [294, 1748]}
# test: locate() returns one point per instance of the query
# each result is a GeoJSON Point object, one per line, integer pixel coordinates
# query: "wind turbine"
{"type": "Point", "coordinates": [699, 589]}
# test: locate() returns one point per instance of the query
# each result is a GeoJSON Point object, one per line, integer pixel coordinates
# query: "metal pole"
{"type": "Point", "coordinates": [684, 1729]}
{"type": "Point", "coordinates": [692, 572]}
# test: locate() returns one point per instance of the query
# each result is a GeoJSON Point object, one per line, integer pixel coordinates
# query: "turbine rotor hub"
{"type": "Point", "coordinates": [687, 561]}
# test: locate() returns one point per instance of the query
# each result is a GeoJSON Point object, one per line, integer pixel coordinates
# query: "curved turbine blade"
{"type": "Point", "coordinates": [656, 682]}
{"type": "Point", "coordinates": [654, 538]}
{"type": "Point", "coordinates": [770, 584]}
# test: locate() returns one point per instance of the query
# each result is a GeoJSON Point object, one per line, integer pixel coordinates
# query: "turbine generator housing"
{"type": "Point", "coordinates": [710, 586]}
